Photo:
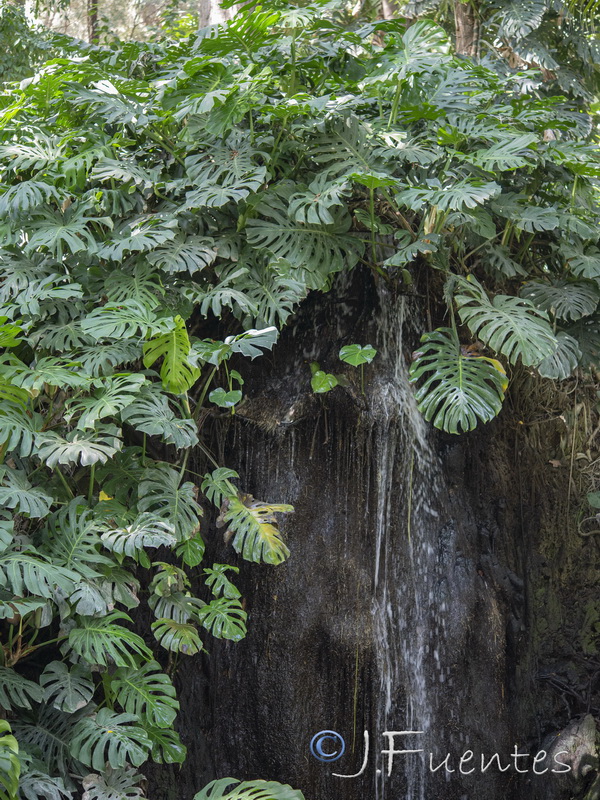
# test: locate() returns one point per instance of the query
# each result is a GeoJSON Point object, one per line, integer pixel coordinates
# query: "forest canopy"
{"type": "Point", "coordinates": [165, 207]}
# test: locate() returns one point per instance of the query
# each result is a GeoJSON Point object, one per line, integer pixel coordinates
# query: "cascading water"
{"type": "Point", "coordinates": [408, 610]}
{"type": "Point", "coordinates": [392, 612]}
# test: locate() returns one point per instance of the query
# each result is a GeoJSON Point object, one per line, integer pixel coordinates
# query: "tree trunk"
{"type": "Point", "coordinates": [466, 20]}
{"type": "Point", "coordinates": [431, 585]}
{"type": "Point", "coordinates": [92, 20]}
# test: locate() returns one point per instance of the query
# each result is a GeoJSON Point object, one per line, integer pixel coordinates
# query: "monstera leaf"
{"type": "Point", "coordinates": [151, 414]}
{"type": "Point", "coordinates": [146, 531]}
{"type": "Point", "coordinates": [48, 732]}
{"type": "Point", "coordinates": [167, 747]}
{"type": "Point", "coordinates": [36, 785]}
{"type": "Point", "coordinates": [160, 492]}
{"type": "Point", "coordinates": [124, 320]}
{"type": "Point", "coordinates": [71, 538]}
{"type": "Point", "coordinates": [509, 325]}
{"type": "Point", "coordinates": [561, 364]}
{"type": "Point", "coordinates": [177, 372]}
{"type": "Point", "coordinates": [10, 766]}
{"type": "Point", "coordinates": [253, 526]}
{"type": "Point", "coordinates": [218, 581]}
{"type": "Point", "coordinates": [109, 737]}
{"type": "Point", "coordinates": [458, 389]}
{"type": "Point", "coordinates": [16, 492]}
{"type": "Point", "coordinates": [180, 637]}
{"type": "Point", "coordinates": [113, 784]}
{"type": "Point", "coordinates": [78, 447]}
{"type": "Point", "coordinates": [231, 789]}
{"type": "Point", "coordinates": [184, 254]}
{"type": "Point", "coordinates": [569, 300]}
{"type": "Point", "coordinates": [225, 618]}
{"type": "Point", "coordinates": [18, 428]}
{"type": "Point", "coordinates": [146, 693]}
{"type": "Point", "coordinates": [67, 689]}
{"type": "Point", "coordinates": [16, 691]}
{"type": "Point", "coordinates": [28, 571]}
{"type": "Point", "coordinates": [102, 641]}
{"type": "Point", "coordinates": [315, 251]}
{"type": "Point", "coordinates": [115, 394]}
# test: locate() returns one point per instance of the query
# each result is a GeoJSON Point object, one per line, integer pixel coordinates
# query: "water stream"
{"type": "Point", "coordinates": [383, 618]}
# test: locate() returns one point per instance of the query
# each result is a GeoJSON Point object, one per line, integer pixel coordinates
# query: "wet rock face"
{"type": "Point", "coordinates": [404, 605]}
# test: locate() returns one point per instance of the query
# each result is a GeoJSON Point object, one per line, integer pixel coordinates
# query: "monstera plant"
{"type": "Point", "coordinates": [165, 208]}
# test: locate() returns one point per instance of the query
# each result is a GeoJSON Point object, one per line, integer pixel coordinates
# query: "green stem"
{"type": "Point", "coordinates": [184, 463]}
{"type": "Point", "coordinates": [91, 486]}
{"type": "Point", "coordinates": [202, 397]}
{"type": "Point", "coordinates": [395, 103]}
{"type": "Point", "coordinates": [156, 137]}
{"type": "Point", "coordinates": [292, 85]}
{"type": "Point", "coordinates": [64, 483]}
{"type": "Point", "coordinates": [372, 221]}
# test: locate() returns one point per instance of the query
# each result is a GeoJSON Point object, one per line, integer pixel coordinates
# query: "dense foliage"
{"type": "Point", "coordinates": [149, 188]}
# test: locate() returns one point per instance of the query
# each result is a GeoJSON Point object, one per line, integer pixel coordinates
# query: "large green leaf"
{"type": "Point", "coordinates": [146, 693]}
{"type": "Point", "coordinates": [189, 254]}
{"type": "Point", "coordinates": [451, 196]}
{"type": "Point", "coordinates": [104, 641]}
{"type": "Point", "coordinates": [160, 493]}
{"type": "Point", "coordinates": [51, 371]}
{"type": "Point", "coordinates": [167, 747]}
{"type": "Point", "coordinates": [67, 689]}
{"type": "Point", "coordinates": [509, 325]}
{"type": "Point", "coordinates": [567, 300]}
{"type": "Point", "coordinates": [28, 571]}
{"type": "Point", "coordinates": [48, 732]}
{"type": "Point", "coordinates": [113, 784]}
{"type": "Point", "coordinates": [151, 414]}
{"type": "Point", "coordinates": [114, 394]}
{"type": "Point", "coordinates": [457, 389]}
{"type": "Point", "coordinates": [177, 373]}
{"type": "Point", "coordinates": [253, 526]}
{"type": "Point", "coordinates": [507, 154]}
{"type": "Point", "coordinates": [10, 766]}
{"type": "Point", "coordinates": [79, 447]}
{"type": "Point", "coordinates": [218, 581]}
{"type": "Point", "coordinates": [17, 493]}
{"type": "Point", "coordinates": [109, 737]}
{"type": "Point", "coordinates": [62, 233]}
{"type": "Point", "coordinates": [315, 251]}
{"type": "Point", "coordinates": [71, 538]}
{"type": "Point", "coordinates": [224, 617]}
{"type": "Point", "coordinates": [180, 637]}
{"type": "Point", "coordinates": [139, 283]}
{"type": "Point", "coordinates": [583, 261]}
{"type": "Point", "coordinates": [17, 691]}
{"type": "Point", "coordinates": [18, 428]}
{"type": "Point", "coordinates": [120, 321]}
{"type": "Point", "coordinates": [36, 785]}
{"type": "Point", "coordinates": [563, 362]}
{"type": "Point", "coordinates": [146, 531]}
{"type": "Point", "coordinates": [232, 789]}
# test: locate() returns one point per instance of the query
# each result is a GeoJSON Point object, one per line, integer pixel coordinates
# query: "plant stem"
{"type": "Point", "coordinates": [395, 103]}
{"type": "Point", "coordinates": [372, 220]}
{"type": "Point", "coordinates": [91, 486]}
{"type": "Point", "coordinates": [200, 402]}
{"type": "Point", "coordinates": [64, 483]}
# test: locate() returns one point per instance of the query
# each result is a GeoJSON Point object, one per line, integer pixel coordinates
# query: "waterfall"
{"type": "Point", "coordinates": [407, 607]}
{"type": "Point", "coordinates": [380, 620]}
